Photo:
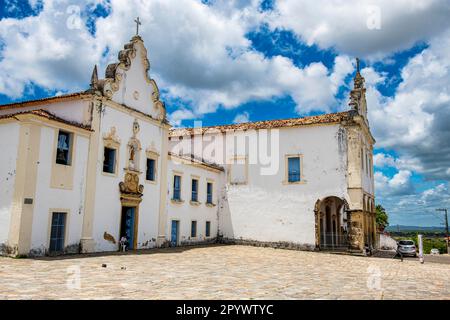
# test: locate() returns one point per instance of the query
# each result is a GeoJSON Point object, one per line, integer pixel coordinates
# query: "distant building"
{"type": "Point", "coordinates": [80, 172]}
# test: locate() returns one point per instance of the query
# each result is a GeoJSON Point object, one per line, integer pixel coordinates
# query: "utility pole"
{"type": "Point", "coordinates": [446, 226]}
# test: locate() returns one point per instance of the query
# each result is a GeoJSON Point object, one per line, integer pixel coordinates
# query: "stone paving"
{"type": "Point", "coordinates": [222, 272]}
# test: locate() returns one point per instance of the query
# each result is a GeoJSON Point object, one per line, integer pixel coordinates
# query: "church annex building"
{"type": "Point", "coordinates": [79, 172]}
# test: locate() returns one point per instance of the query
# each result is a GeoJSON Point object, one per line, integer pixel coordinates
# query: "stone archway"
{"type": "Point", "coordinates": [332, 223]}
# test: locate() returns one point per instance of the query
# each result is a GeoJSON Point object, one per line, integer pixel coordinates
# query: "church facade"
{"type": "Point", "coordinates": [90, 171]}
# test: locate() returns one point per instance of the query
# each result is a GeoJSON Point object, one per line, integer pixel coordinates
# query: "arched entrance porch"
{"type": "Point", "coordinates": [332, 223]}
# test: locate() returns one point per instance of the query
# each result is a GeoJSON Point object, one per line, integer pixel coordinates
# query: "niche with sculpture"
{"type": "Point", "coordinates": [134, 149]}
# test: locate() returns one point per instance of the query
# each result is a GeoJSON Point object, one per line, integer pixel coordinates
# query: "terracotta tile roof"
{"type": "Point", "coordinates": [192, 158]}
{"type": "Point", "coordinates": [55, 99]}
{"type": "Point", "coordinates": [269, 124]}
{"type": "Point", "coordinates": [47, 115]}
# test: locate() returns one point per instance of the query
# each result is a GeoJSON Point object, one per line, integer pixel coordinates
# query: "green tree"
{"type": "Point", "coordinates": [382, 217]}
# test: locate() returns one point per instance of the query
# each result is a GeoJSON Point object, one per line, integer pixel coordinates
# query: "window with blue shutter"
{"type": "Point", "coordinates": [150, 174]}
{"type": "Point", "coordinates": [294, 169]}
{"type": "Point", "coordinates": [63, 148]}
{"type": "Point", "coordinates": [109, 160]}
{"type": "Point", "coordinates": [194, 196]}
{"type": "Point", "coordinates": [209, 193]}
{"type": "Point", "coordinates": [57, 233]}
{"type": "Point", "coordinates": [176, 188]}
{"type": "Point", "coordinates": [208, 229]}
{"type": "Point", "coordinates": [194, 229]}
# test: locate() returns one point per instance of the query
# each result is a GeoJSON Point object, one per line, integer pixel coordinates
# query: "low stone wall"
{"type": "Point", "coordinates": [386, 242]}
{"type": "Point", "coordinates": [190, 243]}
{"type": "Point", "coordinates": [276, 245]}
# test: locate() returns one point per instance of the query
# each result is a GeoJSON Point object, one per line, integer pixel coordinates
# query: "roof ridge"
{"type": "Point", "coordinates": [48, 115]}
{"type": "Point", "coordinates": [194, 158]}
{"type": "Point", "coordinates": [26, 102]}
{"type": "Point", "coordinates": [288, 121]}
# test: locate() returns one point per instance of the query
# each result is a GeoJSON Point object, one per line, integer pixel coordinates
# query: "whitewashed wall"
{"type": "Point", "coordinates": [76, 110]}
{"type": "Point", "coordinates": [48, 199]}
{"type": "Point", "coordinates": [108, 208]}
{"type": "Point", "coordinates": [9, 142]}
{"type": "Point", "coordinates": [269, 211]}
{"type": "Point", "coordinates": [186, 212]}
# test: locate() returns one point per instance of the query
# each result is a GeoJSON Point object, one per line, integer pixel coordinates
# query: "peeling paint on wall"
{"type": "Point", "coordinates": [109, 237]}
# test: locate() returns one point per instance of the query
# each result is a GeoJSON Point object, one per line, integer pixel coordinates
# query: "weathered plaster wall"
{"type": "Point", "coordinates": [48, 200]}
{"type": "Point", "coordinates": [268, 210]}
{"type": "Point", "coordinates": [76, 110]}
{"type": "Point", "coordinates": [9, 139]}
{"type": "Point", "coordinates": [186, 212]}
{"type": "Point", "coordinates": [108, 207]}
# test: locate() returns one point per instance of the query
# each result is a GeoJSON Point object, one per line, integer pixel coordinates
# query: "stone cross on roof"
{"type": "Point", "coordinates": [138, 23]}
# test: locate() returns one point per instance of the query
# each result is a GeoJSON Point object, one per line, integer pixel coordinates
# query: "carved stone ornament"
{"type": "Point", "coordinates": [112, 136]}
{"type": "Point", "coordinates": [136, 128]}
{"type": "Point", "coordinates": [161, 109]}
{"type": "Point", "coordinates": [152, 148]}
{"type": "Point", "coordinates": [131, 186]}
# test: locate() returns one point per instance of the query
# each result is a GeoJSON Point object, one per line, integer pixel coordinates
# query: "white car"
{"type": "Point", "coordinates": [407, 248]}
{"type": "Point", "coordinates": [434, 252]}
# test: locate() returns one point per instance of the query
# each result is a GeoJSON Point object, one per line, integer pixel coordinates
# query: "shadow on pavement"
{"type": "Point", "coordinates": [127, 253]}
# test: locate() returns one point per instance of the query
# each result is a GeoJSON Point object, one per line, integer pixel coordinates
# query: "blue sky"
{"type": "Point", "coordinates": [248, 60]}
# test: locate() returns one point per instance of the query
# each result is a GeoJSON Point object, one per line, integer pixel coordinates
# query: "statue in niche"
{"type": "Point", "coordinates": [132, 152]}
{"type": "Point", "coordinates": [132, 159]}
{"type": "Point", "coordinates": [134, 148]}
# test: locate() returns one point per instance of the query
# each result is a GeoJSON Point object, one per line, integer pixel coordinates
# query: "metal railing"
{"type": "Point", "coordinates": [333, 241]}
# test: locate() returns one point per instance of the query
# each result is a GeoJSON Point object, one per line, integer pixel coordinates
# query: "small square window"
{"type": "Point", "coordinates": [151, 166]}
{"type": "Point", "coordinates": [193, 229]}
{"type": "Point", "coordinates": [194, 196]}
{"type": "Point", "coordinates": [294, 169]}
{"type": "Point", "coordinates": [109, 160]}
{"type": "Point", "coordinates": [209, 193]}
{"type": "Point", "coordinates": [208, 229]}
{"type": "Point", "coordinates": [63, 152]}
{"type": "Point", "coordinates": [177, 188]}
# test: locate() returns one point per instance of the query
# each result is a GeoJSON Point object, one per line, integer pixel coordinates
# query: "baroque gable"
{"type": "Point", "coordinates": [128, 82]}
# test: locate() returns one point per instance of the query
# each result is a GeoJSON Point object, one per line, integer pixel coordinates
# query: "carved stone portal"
{"type": "Point", "coordinates": [130, 186]}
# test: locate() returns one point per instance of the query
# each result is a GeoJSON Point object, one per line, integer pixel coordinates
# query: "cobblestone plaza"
{"type": "Point", "coordinates": [222, 272]}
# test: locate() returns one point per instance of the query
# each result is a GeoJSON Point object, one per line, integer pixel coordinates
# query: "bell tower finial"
{"type": "Point", "coordinates": [94, 79]}
{"type": "Point", "coordinates": [358, 94]}
{"type": "Point", "coordinates": [358, 80]}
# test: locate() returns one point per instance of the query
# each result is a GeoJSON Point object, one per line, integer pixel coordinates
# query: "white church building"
{"type": "Point", "coordinates": [83, 171]}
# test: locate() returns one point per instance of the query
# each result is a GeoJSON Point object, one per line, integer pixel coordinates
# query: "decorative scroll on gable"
{"type": "Point", "coordinates": [128, 83]}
